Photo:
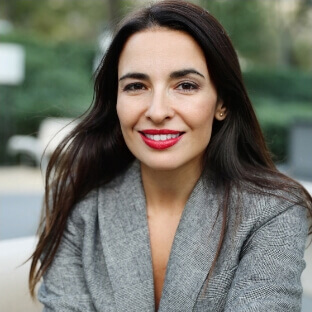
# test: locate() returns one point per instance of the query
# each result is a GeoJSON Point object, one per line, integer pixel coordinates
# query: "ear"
{"type": "Point", "coordinates": [220, 111]}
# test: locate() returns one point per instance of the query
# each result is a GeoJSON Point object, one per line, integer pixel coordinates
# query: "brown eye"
{"type": "Point", "coordinates": [135, 86]}
{"type": "Point", "coordinates": [187, 86]}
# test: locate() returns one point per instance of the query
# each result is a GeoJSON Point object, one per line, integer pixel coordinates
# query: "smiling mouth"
{"type": "Point", "coordinates": [161, 138]}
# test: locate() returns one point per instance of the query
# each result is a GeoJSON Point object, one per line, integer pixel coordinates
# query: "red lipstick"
{"type": "Point", "coordinates": [160, 138]}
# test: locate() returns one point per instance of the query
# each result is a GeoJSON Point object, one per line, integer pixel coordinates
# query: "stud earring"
{"type": "Point", "coordinates": [221, 114]}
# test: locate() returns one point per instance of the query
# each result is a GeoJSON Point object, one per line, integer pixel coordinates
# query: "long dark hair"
{"type": "Point", "coordinates": [95, 152]}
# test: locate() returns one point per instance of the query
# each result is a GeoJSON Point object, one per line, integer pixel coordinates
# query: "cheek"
{"type": "Point", "coordinates": [123, 120]}
{"type": "Point", "coordinates": [201, 118]}
{"type": "Point", "coordinates": [131, 107]}
{"type": "Point", "coordinates": [122, 113]}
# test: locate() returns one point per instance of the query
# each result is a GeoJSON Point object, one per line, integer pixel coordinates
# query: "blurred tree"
{"type": "Point", "coordinates": [63, 20]}
{"type": "Point", "coordinates": [275, 33]}
{"type": "Point", "coordinates": [57, 19]}
{"type": "Point", "coordinates": [247, 23]}
{"type": "Point", "coordinates": [297, 40]}
{"type": "Point", "coordinates": [114, 9]}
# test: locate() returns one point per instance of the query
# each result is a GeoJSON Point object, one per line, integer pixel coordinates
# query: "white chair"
{"type": "Point", "coordinates": [51, 132]}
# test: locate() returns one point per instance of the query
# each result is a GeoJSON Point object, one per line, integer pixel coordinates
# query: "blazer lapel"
{"type": "Point", "coordinates": [125, 241]}
{"type": "Point", "coordinates": [126, 245]}
{"type": "Point", "coordinates": [193, 250]}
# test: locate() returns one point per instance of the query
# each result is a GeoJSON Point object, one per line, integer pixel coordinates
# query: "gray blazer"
{"type": "Point", "coordinates": [104, 260]}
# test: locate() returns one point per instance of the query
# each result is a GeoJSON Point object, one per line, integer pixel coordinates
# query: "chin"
{"type": "Point", "coordinates": [160, 165]}
{"type": "Point", "coordinates": [170, 164]}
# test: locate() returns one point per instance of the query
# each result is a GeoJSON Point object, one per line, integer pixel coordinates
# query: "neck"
{"type": "Point", "coordinates": [168, 190]}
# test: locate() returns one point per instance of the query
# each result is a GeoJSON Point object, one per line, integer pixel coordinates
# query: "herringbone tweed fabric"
{"type": "Point", "coordinates": [104, 260]}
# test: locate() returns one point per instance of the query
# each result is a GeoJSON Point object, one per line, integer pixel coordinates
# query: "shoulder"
{"type": "Point", "coordinates": [123, 187]}
{"type": "Point", "coordinates": [260, 205]}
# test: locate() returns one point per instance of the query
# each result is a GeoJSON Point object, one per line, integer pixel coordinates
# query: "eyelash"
{"type": "Point", "coordinates": [190, 86]}
{"type": "Point", "coordinates": [134, 86]}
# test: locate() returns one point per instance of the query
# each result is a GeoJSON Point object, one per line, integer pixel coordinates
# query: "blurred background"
{"type": "Point", "coordinates": [61, 40]}
{"type": "Point", "coordinates": [48, 53]}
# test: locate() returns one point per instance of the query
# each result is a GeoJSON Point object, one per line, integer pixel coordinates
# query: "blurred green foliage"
{"type": "Point", "coordinates": [58, 20]}
{"type": "Point", "coordinates": [246, 22]}
{"type": "Point", "coordinates": [283, 84]}
{"type": "Point", "coordinates": [281, 98]}
{"type": "Point", "coordinates": [276, 118]}
{"type": "Point", "coordinates": [58, 82]}
{"type": "Point", "coordinates": [276, 33]}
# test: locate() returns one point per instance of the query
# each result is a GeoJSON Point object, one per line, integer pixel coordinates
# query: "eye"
{"type": "Point", "coordinates": [187, 86]}
{"type": "Point", "coordinates": [134, 86]}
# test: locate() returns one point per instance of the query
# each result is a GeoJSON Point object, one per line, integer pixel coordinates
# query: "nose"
{"type": "Point", "coordinates": [159, 108]}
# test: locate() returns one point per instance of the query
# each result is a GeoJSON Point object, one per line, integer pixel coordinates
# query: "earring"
{"type": "Point", "coordinates": [221, 114]}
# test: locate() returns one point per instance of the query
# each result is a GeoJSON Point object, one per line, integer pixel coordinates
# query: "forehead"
{"type": "Point", "coordinates": [161, 48]}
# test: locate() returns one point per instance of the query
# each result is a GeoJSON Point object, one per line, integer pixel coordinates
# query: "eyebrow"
{"type": "Point", "coordinates": [185, 72]}
{"type": "Point", "coordinates": [134, 76]}
{"type": "Point", "coordinates": [173, 75]}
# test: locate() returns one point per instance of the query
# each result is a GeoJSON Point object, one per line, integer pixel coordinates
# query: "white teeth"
{"type": "Point", "coordinates": [172, 136]}
{"type": "Point", "coordinates": [161, 137]}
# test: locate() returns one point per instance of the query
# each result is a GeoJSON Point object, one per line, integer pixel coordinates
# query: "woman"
{"type": "Point", "coordinates": [165, 197]}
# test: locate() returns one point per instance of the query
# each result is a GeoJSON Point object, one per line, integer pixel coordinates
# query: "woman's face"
{"type": "Point", "coordinates": [166, 101]}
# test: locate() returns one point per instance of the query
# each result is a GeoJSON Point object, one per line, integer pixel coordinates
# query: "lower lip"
{"type": "Point", "coordinates": [160, 145]}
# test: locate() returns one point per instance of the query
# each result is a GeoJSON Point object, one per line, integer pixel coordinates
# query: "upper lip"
{"type": "Point", "coordinates": [160, 131]}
